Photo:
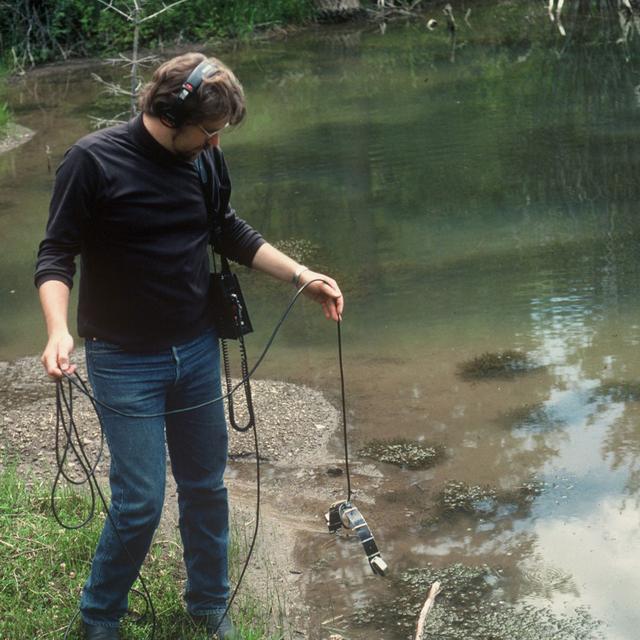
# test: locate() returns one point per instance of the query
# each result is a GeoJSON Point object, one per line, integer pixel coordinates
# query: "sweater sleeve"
{"type": "Point", "coordinates": [73, 200]}
{"type": "Point", "coordinates": [239, 241]}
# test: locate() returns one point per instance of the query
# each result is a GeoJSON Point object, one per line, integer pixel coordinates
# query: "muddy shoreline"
{"type": "Point", "coordinates": [15, 135]}
{"type": "Point", "coordinates": [300, 477]}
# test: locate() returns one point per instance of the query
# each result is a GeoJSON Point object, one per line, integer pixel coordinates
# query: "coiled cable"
{"type": "Point", "coordinates": [64, 403]}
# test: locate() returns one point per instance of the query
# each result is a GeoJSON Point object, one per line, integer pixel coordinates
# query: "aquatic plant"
{"type": "Point", "coordinates": [618, 391]}
{"type": "Point", "coordinates": [299, 249]}
{"type": "Point", "coordinates": [458, 497]}
{"type": "Point", "coordinates": [502, 364]}
{"type": "Point", "coordinates": [532, 417]}
{"type": "Point", "coordinates": [469, 607]}
{"type": "Point", "coordinates": [403, 453]}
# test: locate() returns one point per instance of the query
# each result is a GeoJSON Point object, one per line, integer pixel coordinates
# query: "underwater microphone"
{"type": "Point", "coordinates": [344, 514]}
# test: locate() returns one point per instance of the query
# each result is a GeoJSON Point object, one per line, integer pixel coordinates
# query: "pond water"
{"type": "Point", "coordinates": [470, 197]}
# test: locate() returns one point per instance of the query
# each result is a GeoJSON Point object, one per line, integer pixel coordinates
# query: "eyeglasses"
{"type": "Point", "coordinates": [214, 133]}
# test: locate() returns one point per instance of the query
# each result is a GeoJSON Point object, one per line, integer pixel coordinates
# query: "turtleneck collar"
{"type": "Point", "coordinates": [151, 147]}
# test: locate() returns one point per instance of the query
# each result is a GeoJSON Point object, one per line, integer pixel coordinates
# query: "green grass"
{"type": "Point", "coordinates": [44, 567]}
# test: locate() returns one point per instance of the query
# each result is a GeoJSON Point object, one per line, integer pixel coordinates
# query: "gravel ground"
{"type": "Point", "coordinates": [295, 424]}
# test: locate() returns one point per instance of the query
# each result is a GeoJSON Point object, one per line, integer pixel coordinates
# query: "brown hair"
{"type": "Point", "coordinates": [219, 97]}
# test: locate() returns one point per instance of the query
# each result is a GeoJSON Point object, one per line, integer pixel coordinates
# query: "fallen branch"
{"type": "Point", "coordinates": [388, 10]}
{"type": "Point", "coordinates": [433, 592]}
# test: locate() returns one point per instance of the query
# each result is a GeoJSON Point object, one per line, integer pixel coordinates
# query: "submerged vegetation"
{"type": "Point", "coordinates": [403, 453]}
{"type": "Point", "coordinates": [299, 249]}
{"type": "Point", "coordinates": [618, 391]}
{"type": "Point", "coordinates": [503, 364]}
{"type": "Point", "coordinates": [470, 606]}
{"type": "Point", "coordinates": [532, 418]}
{"type": "Point", "coordinates": [459, 497]}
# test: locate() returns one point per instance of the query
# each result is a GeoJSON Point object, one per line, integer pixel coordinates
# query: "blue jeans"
{"type": "Point", "coordinates": [147, 383]}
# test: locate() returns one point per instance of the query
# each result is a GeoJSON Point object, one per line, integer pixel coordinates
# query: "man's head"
{"type": "Point", "coordinates": [193, 121]}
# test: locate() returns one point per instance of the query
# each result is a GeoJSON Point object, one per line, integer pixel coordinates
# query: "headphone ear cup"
{"type": "Point", "coordinates": [167, 113]}
{"type": "Point", "coordinates": [171, 110]}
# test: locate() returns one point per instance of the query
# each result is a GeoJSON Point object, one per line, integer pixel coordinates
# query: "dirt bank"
{"type": "Point", "coordinates": [299, 477]}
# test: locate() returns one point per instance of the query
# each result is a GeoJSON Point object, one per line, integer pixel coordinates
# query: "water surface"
{"type": "Point", "coordinates": [468, 200]}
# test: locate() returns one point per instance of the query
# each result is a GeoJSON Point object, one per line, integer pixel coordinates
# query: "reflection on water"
{"type": "Point", "coordinates": [478, 206]}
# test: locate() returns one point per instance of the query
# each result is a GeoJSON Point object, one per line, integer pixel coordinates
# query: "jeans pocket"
{"type": "Point", "coordinates": [95, 346]}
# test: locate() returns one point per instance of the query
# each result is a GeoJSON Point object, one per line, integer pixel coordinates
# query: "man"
{"type": "Point", "coordinates": [129, 200]}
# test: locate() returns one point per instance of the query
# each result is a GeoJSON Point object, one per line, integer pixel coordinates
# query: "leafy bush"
{"type": "Point", "coordinates": [33, 31]}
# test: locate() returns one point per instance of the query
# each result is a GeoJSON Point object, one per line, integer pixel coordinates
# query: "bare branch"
{"type": "Point", "coordinates": [165, 8]}
{"type": "Point", "coordinates": [111, 87]}
{"type": "Point", "coordinates": [124, 61]}
{"type": "Point", "coordinates": [100, 123]}
{"type": "Point", "coordinates": [110, 5]}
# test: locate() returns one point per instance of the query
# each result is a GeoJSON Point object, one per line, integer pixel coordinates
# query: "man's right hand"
{"type": "Point", "coordinates": [54, 297]}
{"type": "Point", "coordinates": [55, 357]}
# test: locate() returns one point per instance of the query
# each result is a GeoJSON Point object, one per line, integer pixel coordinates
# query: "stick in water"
{"type": "Point", "coordinates": [422, 618]}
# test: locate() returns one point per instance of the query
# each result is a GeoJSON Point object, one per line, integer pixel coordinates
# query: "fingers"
{"type": "Point", "coordinates": [331, 310]}
{"type": "Point", "coordinates": [55, 358]}
{"type": "Point", "coordinates": [330, 297]}
{"type": "Point", "coordinates": [50, 364]}
{"type": "Point", "coordinates": [63, 359]}
{"type": "Point", "coordinates": [326, 291]}
{"type": "Point", "coordinates": [335, 303]}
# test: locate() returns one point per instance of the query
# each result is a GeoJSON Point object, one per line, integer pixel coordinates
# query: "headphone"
{"type": "Point", "coordinates": [173, 114]}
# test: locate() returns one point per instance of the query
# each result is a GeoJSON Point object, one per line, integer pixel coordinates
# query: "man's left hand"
{"type": "Point", "coordinates": [327, 293]}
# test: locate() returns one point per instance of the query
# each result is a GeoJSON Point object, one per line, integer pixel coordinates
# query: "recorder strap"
{"type": "Point", "coordinates": [226, 303]}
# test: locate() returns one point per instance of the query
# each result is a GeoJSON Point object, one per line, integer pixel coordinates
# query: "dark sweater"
{"type": "Point", "coordinates": [137, 216]}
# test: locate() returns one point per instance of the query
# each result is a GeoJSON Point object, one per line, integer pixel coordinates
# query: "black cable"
{"type": "Point", "coordinates": [344, 414]}
{"type": "Point", "coordinates": [89, 470]}
{"type": "Point", "coordinates": [62, 400]}
{"type": "Point", "coordinates": [208, 402]}
{"type": "Point", "coordinates": [255, 532]}
{"type": "Point", "coordinates": [69, 432]}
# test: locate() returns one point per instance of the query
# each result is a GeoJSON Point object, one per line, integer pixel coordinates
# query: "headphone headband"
{"type": "Point", "coordinates": [173, 114]}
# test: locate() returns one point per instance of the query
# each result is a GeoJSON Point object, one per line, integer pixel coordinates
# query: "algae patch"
{"type": "Point", "coordinates": [618, 391]}
{"type": "Point", "coordinates": [403, 453]}
{"type": "Point", "coordinates": [459, 497]}
{"type": "Point", "coordinates": [502, 364]}
{"type": "Point", "coordinates": [299, 249]}
{"type": "Point", "coordinates": [470, 607]}
{"type": "Point", "coordinates": [533, 418]}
